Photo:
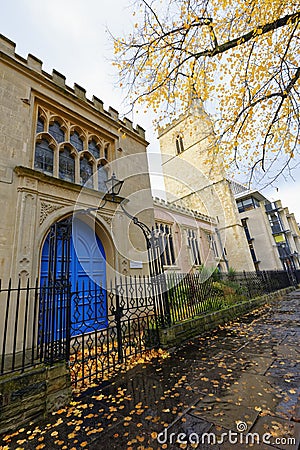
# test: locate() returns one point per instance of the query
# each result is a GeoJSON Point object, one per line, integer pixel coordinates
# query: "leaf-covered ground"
{"type": "Point", "coordinates": [245, 374]}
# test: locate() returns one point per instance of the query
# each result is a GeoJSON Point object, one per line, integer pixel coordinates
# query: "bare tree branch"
{"type": "Point", "coordinates": [288, 19]}
{"type": "Point", "coordinates": [176, 55]}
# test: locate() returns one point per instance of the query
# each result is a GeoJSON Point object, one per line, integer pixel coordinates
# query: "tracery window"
{"type": "Point", "coordinates": [66, 165]}
{"type": "Point", "coordinates": [76, 141]}
{"type": "Point", "coordinates": [40, 125]}
{"type": "Point", "coordinates": [166, 245]}
{"type": "Point", "coordinates": [193, 245]}
{"type": "Point", "coordinates": [102, 177]}
{"type": "Point", "coordinates": [86, 172]}
{"type": "Point", "coordinates": [93, 149]}
{"type": "Point", "coordinates": [64, 150]}
{"type": "Point", "coordinates": [57, 132]}
{"type": "Point", "coordinates": [44, 157]}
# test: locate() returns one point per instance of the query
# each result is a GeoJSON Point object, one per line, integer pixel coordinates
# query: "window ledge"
{"type": "Point", "coordinates": [41, 176]}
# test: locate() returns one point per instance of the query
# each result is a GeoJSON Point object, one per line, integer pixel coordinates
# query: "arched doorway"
{"type": "Point", "coordinates": [73, 279]}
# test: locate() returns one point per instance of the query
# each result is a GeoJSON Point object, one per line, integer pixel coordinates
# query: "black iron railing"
{"type": "Point", "coordinates": [254, 284]}
{"type": "Point", "coordinates": [33, 325]}
{"type": "Point", "coordinates": [95, 329]}
{"type": "Point", "coordinates": [191, 295]}
{"type": "Point", "coordinates": [98, 330]}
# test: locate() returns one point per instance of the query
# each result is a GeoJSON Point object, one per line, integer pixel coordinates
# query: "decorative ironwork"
{"type": "Point", "coordinates": [59, 253]}
{"type": "Point", "coordinates": [156, 267]}
{"type": "Point", "coordinates": [97, 353]}
{"type": "Point", "coordinates": [50, 323]}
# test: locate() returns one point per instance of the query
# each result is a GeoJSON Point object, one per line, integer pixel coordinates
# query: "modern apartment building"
{"type": "Point", "coordinates": [272, 232]}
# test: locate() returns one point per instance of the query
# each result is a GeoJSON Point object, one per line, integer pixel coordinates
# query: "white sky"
{"type": "Point", "coordinates": [70, 36]}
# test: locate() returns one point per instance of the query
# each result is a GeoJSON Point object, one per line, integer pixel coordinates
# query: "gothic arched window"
{"type": "Point", "coordinates": [43, 160]}
{"type": "Point", "coordinates": [66, 165]}
{"type": "Point", "coordinates": [94, 149]}
{"type": "Point", "coordinates": [193, 245]}
{"type": "Point", "coordinates": [76, 141]}
{"type": "Point", "coordinates": [40, 125]}
{"type": "Point", "coordinates": [57, 132]}
{"type": "Point", "coordinates": [102, 177]}
{"type": "Point", "coordinates": [166, 244]}
{"type": "Point", "coordinates": [86, 172]}
{"type": "Point", "coordinates": [63, 150]}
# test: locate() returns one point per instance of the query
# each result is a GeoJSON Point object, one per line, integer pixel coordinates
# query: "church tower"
{"type": "Point", "coordinates": [195, 177]}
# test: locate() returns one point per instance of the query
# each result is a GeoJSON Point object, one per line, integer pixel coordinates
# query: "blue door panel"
{"type": "Point", "coordinates": [53, 297]}
{"type": "Point", "coordinates": [87, 277]}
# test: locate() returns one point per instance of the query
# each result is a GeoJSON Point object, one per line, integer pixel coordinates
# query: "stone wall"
{"type": "Point", "coordinates": [180, 332]}
{"type": "Point", "coordinates": [30, 396]}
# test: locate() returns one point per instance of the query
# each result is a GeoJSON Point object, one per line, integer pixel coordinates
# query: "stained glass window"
{"type": "Point", "coordinates": [76, 141]}
{"type": "Point", "coordinates": [43, 157]}
{"type": "Point", "coordinates": [66, 166]}
{"type": "Point", "coordinates": [93, 149]}
{"type": "Point", "coordinates": [56, 132]}
{"type": "Point", "coordinates": [86, 172]}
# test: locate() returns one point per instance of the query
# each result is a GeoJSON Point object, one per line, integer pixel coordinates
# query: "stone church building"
{"type": "Point", "coordinates": [64, 222]}
{"type": "Point", "coordinates": [60, 150]}
{"type": "Point", "coordinates": [57, 150]}
{"type": "Point", "coordinates": [76, 204]}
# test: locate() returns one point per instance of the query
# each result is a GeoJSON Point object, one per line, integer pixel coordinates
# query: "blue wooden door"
{"type": "Point", "coordinates": [73, 260]}
{"type": "Point", "coordinates": [88, 280]}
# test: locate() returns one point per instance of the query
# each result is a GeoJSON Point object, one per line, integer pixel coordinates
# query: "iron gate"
{"type": "Point", "coordinates": [97, 329]}
{"type": "Point", "coordinates": [98, 353]}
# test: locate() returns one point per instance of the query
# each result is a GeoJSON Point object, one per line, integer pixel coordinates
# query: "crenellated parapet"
{"type": "Point", "coordinates": [182, 209]}
{"type": "Point", "coordinates": [8, 47]}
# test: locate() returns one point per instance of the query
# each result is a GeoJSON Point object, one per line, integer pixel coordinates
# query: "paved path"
{"type": "Point", "coordinates": [238, 383]}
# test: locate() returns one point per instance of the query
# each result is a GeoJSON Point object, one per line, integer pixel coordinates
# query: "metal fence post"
{"type": "Point", "coordinates": [69, 295]}
{"type": "Point", "coordinates": [118, 316]}
{"type": "Point", "coordinates": [167, 309]}
{"type": "Point", "coordinates": [247, 284]}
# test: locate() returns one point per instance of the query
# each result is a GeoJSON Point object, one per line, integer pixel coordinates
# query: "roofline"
{"type": "Point", "coordinates": [251, 193]}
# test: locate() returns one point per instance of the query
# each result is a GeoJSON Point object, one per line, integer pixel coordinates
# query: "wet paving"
{"type": "Point", "coordinates": [236, 387]}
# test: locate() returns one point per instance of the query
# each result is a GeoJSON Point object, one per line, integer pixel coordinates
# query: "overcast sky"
{"type": "Point", "coordinates": [71, 36]}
